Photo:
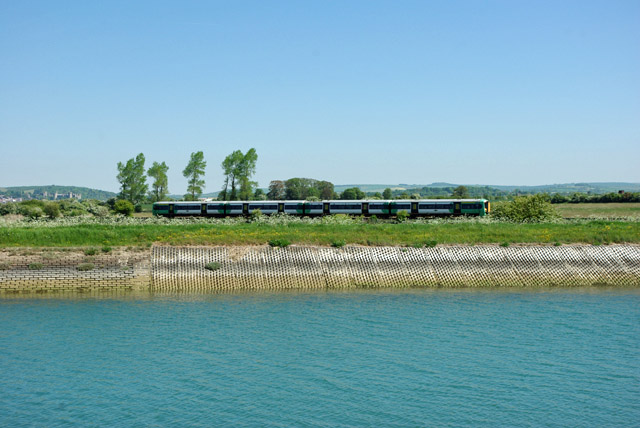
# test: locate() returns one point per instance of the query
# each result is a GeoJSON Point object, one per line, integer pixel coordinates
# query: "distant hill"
{"type": "Point", "coordinates": [438, 188]}
{"type": "Point", "coordinates": [49, 192]}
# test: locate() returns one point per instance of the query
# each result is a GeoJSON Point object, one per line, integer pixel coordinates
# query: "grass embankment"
{"type": "Point", "coordinates": [403, 234]}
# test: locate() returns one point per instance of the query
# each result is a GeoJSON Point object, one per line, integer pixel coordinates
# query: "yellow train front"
{"type": "Point", "coordinates": [379, 208]}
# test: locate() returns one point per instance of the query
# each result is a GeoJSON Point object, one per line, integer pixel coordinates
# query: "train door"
{"type": "Point", "coordinates": [457, 208]}
{"type": "Point", "coordinates": [280, 208]}
{"type": "Point", "coordinates": [245, 209]}
{"type": "Point", "coordinates": [365, 208]}
{"type": "Point", "coordinates": [203, 209]}
{"type": "Point", "coordinates": [170, 210]}
{"type": "Point", "coordinates": [325, 208]}
{"type": "Point", "coordinates": [414, 208]}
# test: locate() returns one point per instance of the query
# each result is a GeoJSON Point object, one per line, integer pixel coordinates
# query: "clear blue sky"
{"type": "Point", "coordinates": [492, 92]}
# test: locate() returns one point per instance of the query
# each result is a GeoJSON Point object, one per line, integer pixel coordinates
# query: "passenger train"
{"type": "Point", "coordinates": [380, 208]}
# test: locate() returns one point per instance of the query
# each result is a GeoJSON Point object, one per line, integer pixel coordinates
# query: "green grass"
{"type": "Point", "coordinates": [404, 234]}
{"type": "Point", "coordinates": [610, 210]}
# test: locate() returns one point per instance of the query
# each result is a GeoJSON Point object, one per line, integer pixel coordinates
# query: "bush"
{"type": "Point", "coordinates": [534, 208]}
{"type": "Point", "coordinates": [373, 219]}
{"type": "Point", "coordinates": [402, 216]}
{"type": "Point", "coordinates": [138, 208]}
{"type": "Point", "coordinates": [255, 215]}
{"type": "Point", "coordinates": [9, 208]}
{"type": "Point", "coordinates": [35, 266]}
{"type": "Point", "coordinates": [5, 266]}
{"type": "Point", "coordinates": [106, 249]}
{"type": "Point", "coordinates": [84, 267]}
{"type": "Point", "coordinates": [213, 266]}
{"type": "Point", "coordinates": [504, 244]}
{"type": "Point", "coordinates": [338, 244]}
{"type": "Point", "coordinates": [31, 211]}
{"type": "Point", "coordinates": [282, 243]}
{"type": "Point", "coordinates": [123, 207]}
{"type": "Point", "coordinates": [52, 210]}
{"type": "Point", "coordinates": [431, 244]}
{"type": "Point", "coordinates": [90, 252]}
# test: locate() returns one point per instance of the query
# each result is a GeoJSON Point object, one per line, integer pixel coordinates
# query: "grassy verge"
{"type": "Point", "coordinates": [403, 234]}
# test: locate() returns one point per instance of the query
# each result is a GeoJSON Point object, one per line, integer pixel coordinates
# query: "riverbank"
{"type": "Point", "coordinates": [181, 268]}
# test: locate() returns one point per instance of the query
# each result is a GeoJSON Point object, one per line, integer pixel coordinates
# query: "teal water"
{"type": "Point", "coordinates": [552, 358]}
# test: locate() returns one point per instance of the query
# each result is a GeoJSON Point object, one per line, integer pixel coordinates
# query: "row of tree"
{"type": "Point", "coordinates": [238, 169]}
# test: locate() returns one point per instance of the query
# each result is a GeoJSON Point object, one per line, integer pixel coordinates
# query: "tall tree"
{"type": "Point", "coordinates": [246, 169]}
{"type": "Point", "coordinates": [238, 169]}
{"type": "Point", "coordinates": [276, 190]}
{"type": "Point", "coordinates": [193, 173]}
{"type": "Point", "coordinates": [133, 181]}
{"type": "Point", "coordinates": [387, 194]}
{"type": "Point", "coordinates": [159, 188]}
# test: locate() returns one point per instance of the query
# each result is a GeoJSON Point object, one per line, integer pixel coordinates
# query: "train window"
{"type": "Point", "coordinates": [215, 206]}
{"type": "Point", "coordinates": [402, 206]}
{"type": "Point", "coordinates": [346, 206]}
{"type": "Point", "coordinates": [376, 206]}
{"type": "Point", "coordinates": [314, 206]}
{"type": "Point", "coordinates": [263, 206]}
{"type": "Point", "coordinates": [235, 206]}
{"type": "Point", "coordinates": [291, 206]}
{"type": "Point", "coordinates": [187, 207]}
{"type": "Point", "coordinates": [161, 207]}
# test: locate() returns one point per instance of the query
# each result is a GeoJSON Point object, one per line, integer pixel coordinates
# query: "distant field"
{"type": "Point", "coordinates": [612, 210]}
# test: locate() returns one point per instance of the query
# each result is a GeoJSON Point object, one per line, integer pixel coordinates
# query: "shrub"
{"type": "Point", "coordinates": [123, 207]}
{"type": "Point", "coordinates": [402, 216]}
{"type": "Point", "coordinates": [255, 215]}
{"type": "Point", "coordinates": [213, 266]}
{"type": "Point", "coordinates": [534, 208]}
{"type": "Point", "coordinates": [431, 244]}
{"type": "Point", "coordinates": [106, 249]}
{"type": "Point", "coordinates": [557, 244]}
{"type": "Point", "coordinates": [282, 243]}
{"type": "Point", "coordinates": [90, 252]}
{"type": "Point", "coordinates": [338, 243]}
{"type": "Point", "coordinates": [504, 244]}
{"type": "Point", "coordinates": [35, 266]}
{"type": "Point", "coordinates": [32, 211]}
{"type": "Point", "coordinates": [373, 219]}
{"type": "Point", "coordinates": [9, 208]}
{"type": "Point", "coordinates": [138, 208]}
{"type": "Point", "coordinates": [84, 267]}
{"type": "Point", "coordinates": [5, 266]}
{"type": "Point", "coordinates": [52, 210]}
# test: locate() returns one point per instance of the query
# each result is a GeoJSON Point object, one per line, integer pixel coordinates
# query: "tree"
{"type": "Point", "coordinates": [133, 181]}
{"type": "Point", "coordinates": [325, 189]}
{"type": "Point", "coordinates": [352, 193]}
{"type": "Point", "coordinates": [461, 192]}
{"type": "Point", "coordinates": [246, 169]}
{"type": "Point", "coordinates": [387, 194]}
{"type": "Point", "coordinates": [193, 173]}
{"type": "Point", "coordinates": [238, 169]}
{"type": "Point", "coordinates": [158, 172]}
{"type": "Point", "coordinates": [276, 190]}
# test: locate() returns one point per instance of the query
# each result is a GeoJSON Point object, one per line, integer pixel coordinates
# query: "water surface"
{"type": "Point", "coordinates": [483, 358]}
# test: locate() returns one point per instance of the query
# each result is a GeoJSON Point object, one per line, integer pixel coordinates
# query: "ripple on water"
{"type": "Point", "coordinates": [396, 357]}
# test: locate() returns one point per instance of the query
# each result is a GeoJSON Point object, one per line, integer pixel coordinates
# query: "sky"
{"type": "Point", "coordinates": [466, 92]}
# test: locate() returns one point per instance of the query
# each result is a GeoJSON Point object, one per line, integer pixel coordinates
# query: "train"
{"type": "Point", "coordinates": [379, 208]}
